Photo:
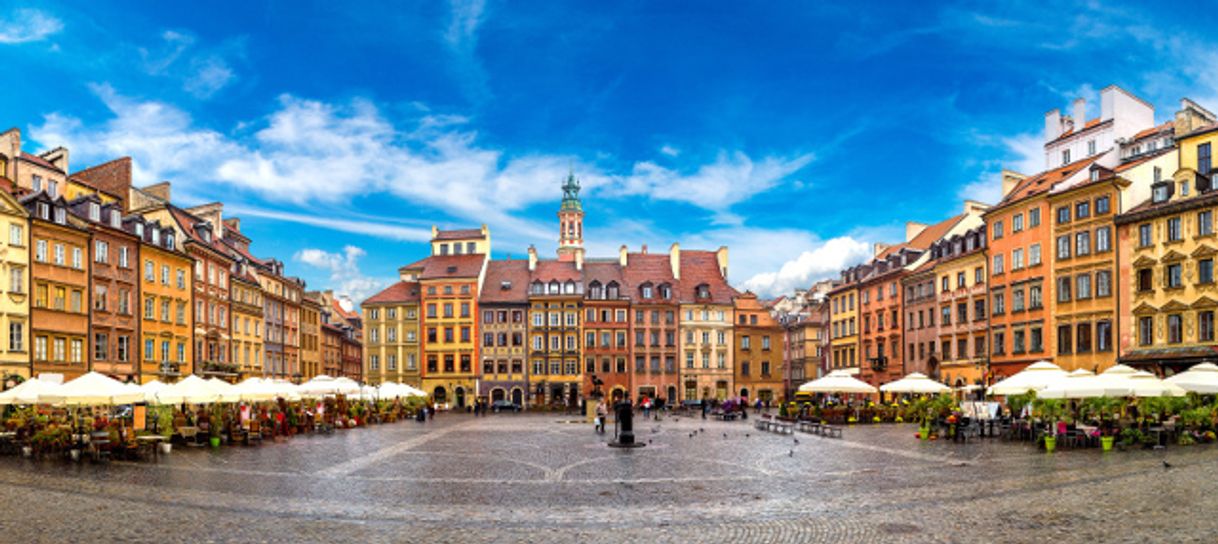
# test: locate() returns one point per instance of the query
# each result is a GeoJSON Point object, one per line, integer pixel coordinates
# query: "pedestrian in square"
{"type": "Point", "coordinates": [601, 412]}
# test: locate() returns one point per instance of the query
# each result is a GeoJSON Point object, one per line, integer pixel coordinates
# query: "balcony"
{"type": "Point", "coordinates": [878, 364]}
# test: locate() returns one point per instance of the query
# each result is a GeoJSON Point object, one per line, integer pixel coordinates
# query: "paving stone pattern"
{"type": "Point", "coordinates": [534, 478]}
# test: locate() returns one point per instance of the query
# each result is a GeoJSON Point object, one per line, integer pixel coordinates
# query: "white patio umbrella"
{"type": "Point", "coordinates": [837, 382]}
{"type": "Point", "coordinates": [346, 386]}
{"type": "Point", "coordinates": [287, 390]}
{"type": "Point", "coordinates": [320, 386]}
{"type": "Point", "coordinates": [1201, 378]}
{"type": "Point", "coordinates": [1035, 377]}
{"type": "Point", "coordinates": [92, 389]}
{"type": "Point", "coordinates": [916, 383]}
{"type": "Point", "coordinates": [256, 390]}
{"type": "Point", "coordinates": [1145, 384]}
{"type": "Point", "coordinates": [190, 390]}
{"type": "Point", "coordinates": [28, 392]}
{"type": "Point", "coordinates": [227, 391]}
{"type": "Point", "coordinates": [1082, 384]}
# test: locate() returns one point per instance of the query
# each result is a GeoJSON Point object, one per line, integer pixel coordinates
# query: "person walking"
{"type": "Point", "coordinates": [601, 413]}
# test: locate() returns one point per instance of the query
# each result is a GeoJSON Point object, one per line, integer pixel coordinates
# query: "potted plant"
{"type": "Point", "coordinates": [1101, 408]}
{"type": "Point", "coordinates": [164, 426]}
{"type": "Point", "coordinates": [217, 425]}
{"type": "Point", "coordinates": [1050, 411]}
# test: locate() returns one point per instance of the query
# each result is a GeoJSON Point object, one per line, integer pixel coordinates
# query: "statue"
{"type": "Point", "coordinates": [625, 426]}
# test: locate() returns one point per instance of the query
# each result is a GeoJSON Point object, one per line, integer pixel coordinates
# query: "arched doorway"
{"type": "Point", "coordinates": [459, 392]}
{"type": "Point", "coordinates": [439, 395]}
{"type": "Point", "coordinates": [497, 394]}
{"type": "Point", "coordinates": [517, 396]}
{"type": "Point", "coordinates": [672, 394]}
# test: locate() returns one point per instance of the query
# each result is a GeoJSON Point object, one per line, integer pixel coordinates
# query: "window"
{"type": "Point", "coordinates": [1034, 255]}
{"type": "Point", "coordinates": [1016, 259]}
{"type": "Point", "coordinates": [1038, 344]}
{"type": "Point", "coordinates": [1064, 339]}
{"type": "Point", "coordinates": [1103, 239]}
{"type": "Point", "coordinates": [1145, 279]}
{"type": "Point", "coordinates": [1144, 235]}
{"type": "Point", "coordinates": [1063, 215]}
{"type": "Point", "coordinates": [15, 235]}
{"type": "Point", "coordinates": [1205, 223]}
{"type": "Point", "coordinates": [1103, 283]}
{"type": "Point", "coordinates": [1175, 332]}
{"type": "Point", "coordinates": [1203, 159]}
{"type": "Point", "coordinates": [1205, 271]}
{"type": "Point", "coordinates": [1082, 338]}
{"type": "Point", "coordinates": [998, 266]}
{"type": "Point", "coordinates": [1063, 289]}
{"type": "Point", "coordinates": [1019, 339]}
{"type": "Point", "coordinates": [997, 230]}
{"type": "Point", "coordinates": [1102, 205]}
{"type": "Point", "coordinates": [17, 280]}
{"type": "Point", "coordinates": [999, 343]}
{"type": "Point", "coordinates": [1146, 330]}
{"type": "Point", "coordinates": [1033, 217]}
{"type": "Point", "coordinates": [40, 251]}
{"type": "Point", "coordinates": [16, 336]}
{"type": "Point", "coordinates": [1017, 222]}
{"type": "Point", "coordinates": [1205, 326]}
{"type": "Point", "coordinates": [1082, 243]}
{"type": "Point", "coordinates": [1173, 230]}
{"type": "Point", "coordinates": [1065, 156]}
{"type": "Point", "coordinates": [1160, 192]}
{"type": "Point", "coordinates": [1017, 303]}
{"type": "Point", "coordinates": [77, 258]}
{"type": "Point", "coordinates": [1173, 276]}
{"type": "Point", "coordinates": [1083, 287]}
{"type": "Point", "coordinates": [1063, 247]}
{"type": "Point", "coordinates": [999, 304]}
{"type": "Point", "coordinates": [59, 254]}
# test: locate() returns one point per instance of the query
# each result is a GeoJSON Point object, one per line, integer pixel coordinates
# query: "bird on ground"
{"type": "Point", "coordinates": [746, 435]}
{"type": "Point", "coordinates": [1166, 465]}
{"type": "Point", "coordinates": [791, 453]}
{"type": "Point", "coordinates": [796, 440]}
{"type": "Point", "coordinates": [724, 435]}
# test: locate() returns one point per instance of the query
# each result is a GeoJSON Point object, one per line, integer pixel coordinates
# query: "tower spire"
{"type": "Point", "coordinates": [570, 220]}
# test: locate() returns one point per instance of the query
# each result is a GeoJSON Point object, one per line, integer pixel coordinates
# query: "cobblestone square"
{"type": "Point", "coordinates": [539, 478]}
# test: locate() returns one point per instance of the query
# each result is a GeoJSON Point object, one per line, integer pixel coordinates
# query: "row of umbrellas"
{"type": "Point", "coordinates": [840, 381]}
{"type": "Point", "coordinates": [1050, 381]}
{"type": "Point", "coordinates": [95, 389]}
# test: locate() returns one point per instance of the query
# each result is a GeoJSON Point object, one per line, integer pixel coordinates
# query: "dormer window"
{"type": "Point", "coordinates": [169, 240]}
{"type": "Point", "coordinates": [44, 211]}
{"type": "Point", "coordinates": [646, 290]}
{"type": "Point", "coordinates": [568, 288]}
{"type": "Point", "coordinates": [53, 188]}
{"type": "Point", "coordinates": [1095, 174]}
{"type": "Point", "coordinates": [594, 290]}
{"type": "Point", "coordinates": [94, 212]}
{"type": "Point", "coordinates": [205, 234]}
{"type": "Point", "coordinates": [554, 288]}
{"type": "Point", "coordinates": [139, 230]}
{"type": "Point", "coordinates": [612, 290]}
{"type": "Point", "coordinates": [156, 236]}
{"type": "Point", "coordinates": [665, 291]}
{"type": "Point", "coordinates": [703, 291]}
{"type": "Point", "coordinates": [116, 219]}
{"type": "Point", "coordinates": [1160, 192]}
{"type": "Point", "coordinates": [61, 216]}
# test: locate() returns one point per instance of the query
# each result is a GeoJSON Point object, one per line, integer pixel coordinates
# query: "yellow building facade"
{"type": "Point", "coordinates": [14, 286]}
{"type": "Point", "coordinates": [247, 329]}
{"type": "Point", "coordinates": [962, 343]}
{"type": "Point", "coordinates": [165, 287]}
{"type": "Point", "coordinates": [391, 335]}
{"type": "Point", "coordinates": [843, 329]}
{"type": "Point", "coordinates": [310, 336]}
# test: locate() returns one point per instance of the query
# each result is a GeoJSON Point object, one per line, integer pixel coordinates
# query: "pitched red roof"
{"type": "Point", "coordinates": [1044, 181]}
{"type": "Point", "coordinates": [39, 161]}
{"type": "Point", "coordinates": [187, 221]}
{"type": "Point", "coordinates": [924, 239]}
{"type": "Point", "coordinates": [507, 281]}
{"type": "Point", "coordinates": [604, 272]}
{"type": "Point", "coordinates": [553, 270]}
{"type": "Point", "coordinates": [702, 268]}
{"type": "Point", "coordinates": [647, 267]}
{"type": "Point", "coordinates": [459, 234]}
{"type": "Point", "coordinates": [1087, 126]}
{"type": "Point", "coordinates": [1140, 160]}
{"type": "Point", "coordinates": [449, 266]}
{"type": "Point", "coordinates": [1154, 130]}
{"type": "Point", "coordinates": [402, 291]}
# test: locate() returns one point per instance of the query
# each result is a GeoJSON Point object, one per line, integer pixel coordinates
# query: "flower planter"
{"type": "Point", "coordinates": [1106, 442]}
{"type": "Point", "coordinates": [215, 441]}
{"type": "Point", "coordinates": [166, 447]}
{"type": "Point", "coordinates": [1050, 443]}
{"type": "Point", "coordinates": [924, 433]}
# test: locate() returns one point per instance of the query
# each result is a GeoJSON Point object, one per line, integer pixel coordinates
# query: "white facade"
{"type": "Point", "coordinates": [1068, 138]}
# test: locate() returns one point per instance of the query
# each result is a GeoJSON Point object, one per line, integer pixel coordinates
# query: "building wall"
{"type": "Point", "coordinates": [962, 344]}
{"type": "Point", "coordinates": [247, 328]}
{"type": "Point", "coordinates": [113, 322]}
{"type": "Point", "coordinates": [706, 351]}
{"type": "Point", "coordinates": [391, 343]}
{"type": "Point", "coordinates": [450, 341]}
{"type": "Point", "coordinates": [880, 312]}
{"type": "Point", "coordinates": [1005, 325]}
{"type": "Point", "coordinates": [921, 334]}
{"type": "Point", "coordinates": [844, 328]}
{"type": "Point", "coordinates": [504, 352]}
{"type": "Point", "coordinates": [758, 357]}
{"type": "Point", "coordinates": [555, 358]}
{"type": "Point", "coordinates": [654, 351]}
{"type": "Point", "coordinates": [310, 339]}
{"type": "Point", "coordinates": [15, 284]}
{"type": "Point", "coordinates": [165, 350]}
{"type": "Point", "coordinates": [60, 311]}
{"type": "Point", "coordinates": [607, 345]}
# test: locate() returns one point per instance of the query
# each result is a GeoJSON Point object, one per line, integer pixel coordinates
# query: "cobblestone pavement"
{"type": "Point", "coordinates": [540, 478]}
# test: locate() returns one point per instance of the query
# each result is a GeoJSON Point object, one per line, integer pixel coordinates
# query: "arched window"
{"type": "Point", "coordinates": [612, 291]}
{"type": "Point", "coordinates": [665, 291]}
{"type": "Point", "coordinates": [554, 287]}
{"type": "Point", "coordinates": [645, 290]}
{"type": "Point", "coordinates": [594, 290]}
{"type": "Point", "coordinates": [569, 287]}
{"type": "Point", "coordinates": [537, 288]}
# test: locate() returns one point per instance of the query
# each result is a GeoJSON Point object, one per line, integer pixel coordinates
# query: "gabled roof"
{"type": "Point", "coordinates": [507, 281]}
{"type": "Point", "coordinates": [1086, 126]}
{"type": "Point", "coordinates": [402, 291]}
{"type": "Point", "coordinates": [39, 161]}
{"type": "Point", "coordinates": [449, 266]}
{"type": "Point", "coordinates": [1154, 130]}
{"type": "Point", "coordinates": [702, 268]}
{"type": "Point", "coordinates": [188, 221]}
{"type": "Point", "coordinates": [924, 239]}
{"type": "Point", "coordinates": [1042, 182]}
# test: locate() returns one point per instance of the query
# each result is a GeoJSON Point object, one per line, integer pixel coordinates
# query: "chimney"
{"type": "Point", "coordinates": [57, 157]}
{"type": "Point", "coordinates": [878, 248]}
{"type": "Point", "coordinates": [621, 256]}
{"type": "Point", "coordinates": [913, 229]}
{"type": "Point", "coordinates": [1191, 117]}
{"type": "Point", "coordinates": [160, 190]}
{"type": "Point", "coordinates": [674, 259]}
{"type": "Point", "coordinates": [1010, 179]}
{"type": "Point", "coordinates": [1080, 113]}
{"type": "Point", "coordinates": [532, 258]}
{"type": "Point", "coordinates": [721, 256]}
{"type": "Point", "coordinates": [972, 207]}
{"type": "Point", "coordinates": [579, 259]}
{"type": "Point", "coordinates": [644, 249]}
{"type": "Point", "coordinates": [1053, 124]}
{"type": "Point", "coordinates": [1108, 103]}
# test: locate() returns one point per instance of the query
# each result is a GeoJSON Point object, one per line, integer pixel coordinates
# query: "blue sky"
{"type": "Point", "coordinates": [797, 134]}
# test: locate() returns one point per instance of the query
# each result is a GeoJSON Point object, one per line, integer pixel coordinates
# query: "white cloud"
{"type": "Point", "coordinates": [210, 74]}
{"type": "Point", "coordinates": [733, 178]}
{"type": "Point", "coordinates": [345, 276]}
{"type": "Point", "coordinates": [1022, 153]}
{"type": "Point", "coordinates": [461, 37]}
{"type": "Point", "coordinates": [202, 73]}
{"type": "Point", "coordinates": [822, 260]}
{"type": "Point", "coordinates": [669, 150]}
{"type": "Point", "coordinates": [379, 229]}
{"type": "Point", "coordinates": [28, 25]}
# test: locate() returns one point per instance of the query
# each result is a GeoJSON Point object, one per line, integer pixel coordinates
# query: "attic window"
{"type": "Point", "coordinates": [169, 240]}
{"type": "Point", "coordinates": [116, 219]}
{"type": "Point", "coordinates": [156, 236]}
{"type": "Point", "coordinates": [452, 270]}
{"type": "Point", "coordinates": [44, 211]}
{"type": "Point", "coordinates": [139, 230]}
{"type": "Point", "coordinates": [60, 216]}
{"type": "Point", "coordinates": [94, 212]}
{"type": "Point", "coordinates": [665, 291]}
{"type": "Point", "coordinates": [505, 285]}
{"type": "Point", "coordinates": [703, 291]}
{"type": "Point", "coordinates": [1095, 174]}
{"type": "Point", "coordinates": [205, 235]}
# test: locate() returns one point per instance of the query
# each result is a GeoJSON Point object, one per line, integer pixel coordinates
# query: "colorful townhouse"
{"type": "Point", "coordinates": [113, 323]}
{"type": "Point", "coordinates": [310, 336]}
{"type": "Point", "coordinates": [706, 322]}
{"type": "Point", "coordinates": [959, 317]}
{"type": "Point", "coordinates": [758, 351]}
{"type": "Point", "coordinates": [450, 281]}
{"type": "Point", "coordinates": [14, 282]}
{"type": "Point", "coordinates": [606, 331]}
{"type": "Point", "coordinates": [59, 314]}
{"type": "Point", "coordinates": [166, 325]}
{"type": "Point", "coordinates": [652, 290]}
{"type": "Point", "coordinates": [391, 336]}
{"type": "Point", "coordinates": [556, 291]}
{"type": "Point", "coordinates": [503, 350]}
